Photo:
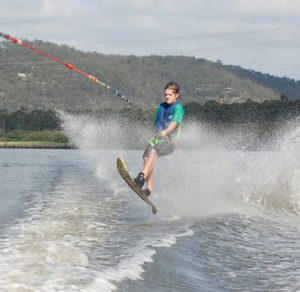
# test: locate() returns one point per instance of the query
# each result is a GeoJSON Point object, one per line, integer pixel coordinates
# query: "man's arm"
{"type": "Point", "coordinates": [167, 131]}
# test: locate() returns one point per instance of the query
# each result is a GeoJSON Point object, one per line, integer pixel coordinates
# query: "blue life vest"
{"type": "Point", "coordinates": [164, 116]}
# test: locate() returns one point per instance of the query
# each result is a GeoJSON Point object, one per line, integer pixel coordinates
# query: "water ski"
{"type": "Point", "coordinates": [122, 168]}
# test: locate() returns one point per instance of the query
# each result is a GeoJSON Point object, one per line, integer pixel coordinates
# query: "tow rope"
{"type": "Point", "coordinates": [67, 65]}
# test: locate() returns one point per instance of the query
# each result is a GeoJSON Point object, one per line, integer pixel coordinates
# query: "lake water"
{"type": "Point", "coordinates": [227, 221]}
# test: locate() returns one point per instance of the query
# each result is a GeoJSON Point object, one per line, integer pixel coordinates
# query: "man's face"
{"type": "Point", "coordinates": [171, 96]}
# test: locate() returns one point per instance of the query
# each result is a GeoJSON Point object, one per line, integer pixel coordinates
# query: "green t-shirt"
{"type": "Point", "coordinates": [178, 113]}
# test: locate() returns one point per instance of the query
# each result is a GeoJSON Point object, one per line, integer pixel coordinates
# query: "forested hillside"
{"type": "Point", "coordinates": [31, 81]}
{"type": "Point", "coordinates": [284, 85]}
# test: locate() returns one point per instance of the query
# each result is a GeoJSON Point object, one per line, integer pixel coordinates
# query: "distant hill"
{"type": "Point", "coordinates": [32, 81]}
{"type": "Point", "coordinates": [283, 85]}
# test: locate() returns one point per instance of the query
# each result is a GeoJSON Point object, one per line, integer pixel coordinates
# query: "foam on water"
{"type": "Point", "coordinates": [76, 238]}
{"type": "Point", "coordinates": [55, 251]}
{"type": "Point", "coordinates": [214, 173]}
{"type": "Point", "coordinates": [90, 232]}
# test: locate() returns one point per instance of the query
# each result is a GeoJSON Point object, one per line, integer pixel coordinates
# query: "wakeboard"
{"type": "Point", "coordinates": [122, 168]}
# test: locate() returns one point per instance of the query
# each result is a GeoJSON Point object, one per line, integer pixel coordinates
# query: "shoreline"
{"type": "Point", "coordinates": [34, 145]}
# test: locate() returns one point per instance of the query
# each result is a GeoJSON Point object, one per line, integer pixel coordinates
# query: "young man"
{"type": "Point", "coordinates": [168, 118]}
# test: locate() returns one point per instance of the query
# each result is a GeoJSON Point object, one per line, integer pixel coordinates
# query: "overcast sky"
{"type": "Point", "coordinates": [263, 35]}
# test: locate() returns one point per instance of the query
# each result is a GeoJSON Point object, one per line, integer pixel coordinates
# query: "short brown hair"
{"type": "Point", "coordinates": [174, 86]}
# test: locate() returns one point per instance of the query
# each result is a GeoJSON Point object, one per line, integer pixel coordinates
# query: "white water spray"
{"type": "Point", "coordinates": [212, 172]}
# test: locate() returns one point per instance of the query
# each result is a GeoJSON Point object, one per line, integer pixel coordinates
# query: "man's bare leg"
{"type": "Point", "coordinates": [146, 174]}
{"type": "Point", "coordinates": [149, 163]}
{"type": "Point", "coordinates": [149, 177]}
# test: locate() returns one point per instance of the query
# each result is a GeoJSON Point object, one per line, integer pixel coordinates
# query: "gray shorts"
{"type": "Point", "coordinates": [162, 149]}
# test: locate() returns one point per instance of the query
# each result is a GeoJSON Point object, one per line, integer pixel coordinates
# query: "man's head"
{"type": "Point", "coordinates": [171, 92]}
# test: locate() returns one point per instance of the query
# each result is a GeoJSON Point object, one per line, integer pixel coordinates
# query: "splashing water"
{"type": "Point", "coordinates": [83, 230]}
{"type": "Point", "coordinates": [212, 171]}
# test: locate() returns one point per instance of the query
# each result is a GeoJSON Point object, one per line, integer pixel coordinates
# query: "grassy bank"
{"type": "Point", "coordinates": [35, 145]}
{"type": "Point", "coordinates": [35, 139]}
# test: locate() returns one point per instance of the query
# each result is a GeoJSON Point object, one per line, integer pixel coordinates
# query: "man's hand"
{"type": "Point", "coordinates": [163, 133]}
{"type": "Point", "coordinates": [167, 131]}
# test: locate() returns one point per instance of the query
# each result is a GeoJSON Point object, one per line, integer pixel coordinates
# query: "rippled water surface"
{"type": "Point", "coordinates": [227, 221]}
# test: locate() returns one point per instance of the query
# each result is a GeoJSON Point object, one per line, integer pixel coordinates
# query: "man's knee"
{"type": "Point", "coordinates": [153, 152]}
